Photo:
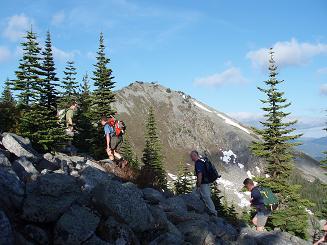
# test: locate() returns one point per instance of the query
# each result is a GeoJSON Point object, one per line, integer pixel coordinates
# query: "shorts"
{"type": "Point", "coordinates": [262, 217]}
{"type": "Point", "coordinates": [115, 141]}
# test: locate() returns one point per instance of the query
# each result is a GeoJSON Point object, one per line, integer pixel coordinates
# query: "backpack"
{"type": "Point", "coordinates": [120, 128]}
{"type": "Point", "coordinates": [211, 171]}
{"type": "Point", "coordinates": [269, 198]}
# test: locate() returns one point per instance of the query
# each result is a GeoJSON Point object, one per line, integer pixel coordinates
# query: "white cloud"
{"type": "Point", "coordinates": [58, 18]}
{"type": "Point", "coordinates": [323, 89]}
{"type": "Point", "coordinates": [5, 54]}
{"type": "Point", "coordinates": [322, 70]}
{"type": "Point", "coordinates": [16, 26]}
{"type": "Point", "coordinates": [230, 76]}
{"type": "Point", "coordinates": [62, 55]}
{"type": "Point", "coordinates": [288, 53]}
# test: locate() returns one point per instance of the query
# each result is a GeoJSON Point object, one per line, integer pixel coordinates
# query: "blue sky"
{"type": "Point", "coordinates": [216, 51]}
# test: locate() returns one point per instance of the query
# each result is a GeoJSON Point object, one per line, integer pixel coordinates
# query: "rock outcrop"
{"type": "Point", "coordinates": [61, 199]}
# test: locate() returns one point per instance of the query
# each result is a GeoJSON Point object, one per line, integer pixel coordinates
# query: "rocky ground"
{"type": "Point", "coordinates": [60, 199]}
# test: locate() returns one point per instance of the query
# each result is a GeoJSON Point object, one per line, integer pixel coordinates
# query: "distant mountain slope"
{"type": "Point", "coordinates": [314, 147]}
{"type": "Point", "coordinates": [186, 124]}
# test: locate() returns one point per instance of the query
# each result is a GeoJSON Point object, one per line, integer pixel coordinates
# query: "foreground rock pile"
{"type": "Point", "coordinates": [60, 199]}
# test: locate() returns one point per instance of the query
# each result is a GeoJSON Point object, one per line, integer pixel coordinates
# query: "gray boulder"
{"type": "Point", "coordinates": [20, 146]}
{"type": "Point", "coordinates": [4, 162]}
{"type": "Point", "coordinates": [167, 238]}
{"type": "Point", "coordinates": [95, 165]}
{"type": "Point", "coordinates": [124, 203]}
{"type": "Point", "coordinates": [11, 189]}
{"type": "Point", "coordinates": [49, 197]}
{"type": "Point", "coordinates": [6, 234]}
{"type": "Point", "coordinates": [76, 226]}
{"type": "Point", "coordinates": [24, 169]}
{"type": "Point", "coordinates": [36, 234]}
{"type": "Point", "coordinates": [152, 196]}
{"type": "Point", "coordinates": [175, 205]}
{"type": "Point", "coordinates": [95, 240]}
{"type": "Point", "coordinates": [91, 177]}
{"type": "Point", "coordinates": [193, 202]}
{"type": "Point", "coordinates": [49, 162]}
{"type": "Point", "coordinates": [195, 231]}
{"type": "Point", "coordinates": [117, 233]}
{"type": "Point", "coordinates": [250, 237]}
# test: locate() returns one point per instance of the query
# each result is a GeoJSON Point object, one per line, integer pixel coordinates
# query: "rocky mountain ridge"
{"type": "Point", "coordinates": [61, 199]}
{"type": "Point", "coordinates": [185, 124]}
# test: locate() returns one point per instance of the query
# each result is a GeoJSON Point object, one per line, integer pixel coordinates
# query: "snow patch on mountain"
{"type": "Point", "coordinates": [258, 169]}
{"type": "Point", "coordinates": [250, 175]}
{"type": "Point", "coordinates": [229, 157]}
{"type": "Point", "coordinates": [201, 106]}
{"type": "Point", "coordinates": [231, 122]}
{"type": "Point", "coordinates": [240, 165]}
{"type": "Point", "coordinates": [244, 202]}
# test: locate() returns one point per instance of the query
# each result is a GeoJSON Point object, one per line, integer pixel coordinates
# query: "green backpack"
{"type": "Point", "coordinates": [269, 198]}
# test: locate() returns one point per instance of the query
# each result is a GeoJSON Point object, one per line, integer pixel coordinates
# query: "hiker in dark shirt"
{"type": "Point", "coordinates": [257, 201]}
{"type": "Point", "coordinates": [202, 187]}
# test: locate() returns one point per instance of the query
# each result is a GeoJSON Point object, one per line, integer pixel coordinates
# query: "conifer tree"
{"type": "Point", "coordinates": [103, 96]}
{"type": "Point", "coordinates": [69, 85]}
{"type": "Point", "coordinates": [152, 157]}
{"type": "Point", "coordinates": [217, 200]}
{"type": "Point", "coordinates": [129, 154]}
{"type": "Point", "coordinates": [50, 80]}
{"type": "Point", "coordinates": [8, 110]}
{"type": "Point", "coordinates": [29, 73]}
{"type": "Point", "coordinates": [324, 161]}
{"type": "Point", "coordinates": [276, 149]}
{"type": "Point", "coordinates": [37, 95]}
{"type": "Point", "coordinates": [184, 183]}
{"type": "Point", "coordinates": [84, 139]}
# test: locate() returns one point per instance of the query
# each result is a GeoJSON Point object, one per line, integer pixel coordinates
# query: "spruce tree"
{"type": "Point", "coordinates": [8, 110]}
{"type": "Point", "coordinates": [129, 154]}
{"type": "Point", "coordinates": [69, 85]}
{"type": "Point", "coordinates": [217, 199]}
{"type": "Point", "coordinates": [29, 73]}
{"type": "Point", "coordinates": [84, 139]}
{"type": "Point", "coordinates": [276, 148]}
{"type": "Point", "coordinates": [103, 96]}
{"type": "Point", "coordinates": [50, 80]}
{"type": "Point", "coordinates": [37, 93]}
{"type": "Point", "coordinates": [184, 183]}
{"type": "Point", "coordinates": [152, 157]}
{"type": "Point", "coordinates": [324, 161]}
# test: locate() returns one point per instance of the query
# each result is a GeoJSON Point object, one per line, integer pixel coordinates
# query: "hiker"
{"type": "Point", "coordinates": [70, 115]}
{"type": "Point", "coordinates": [257, 201]}
{"type": "Point", "coordinates": [324, 238]}
{"type": "Point", "coordinates": [114, 137]}
{"type": "Point", "coordinates": [202, 184]}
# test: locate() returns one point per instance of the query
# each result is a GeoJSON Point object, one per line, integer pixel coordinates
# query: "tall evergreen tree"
{"type": "Point", "coordinates": [50, 82]}
{"type": "Point", "coordinates": [69, 85]}
{"type": "Point", "coordinates": [29, 73]}
{"type": "Point", "coordinates": [103, 96]}
{"type": "Point", "coordinates": [129, 154]}
{"type": "Point", "coordinates": [152, 157]}
{"type": "Point", "coordinates": [84, 139]}
{"type": "Point", "coordinates": [276, 148]}
{"type": "Point", "coordinates": [7, 96]}
{"type": "Point", "coordinates": [8, 110]}
{"type": "Point", "coordinates": [324, 161]}
{"type": "Point", "coordinates": [37, 95]}
{"type": "Point", "coordinates": [184, 183]}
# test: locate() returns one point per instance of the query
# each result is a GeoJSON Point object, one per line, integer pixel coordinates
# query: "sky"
{"type": "Point", "coordinates": [216, 51]}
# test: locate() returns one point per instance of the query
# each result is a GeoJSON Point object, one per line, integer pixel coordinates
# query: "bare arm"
{"type": "Point", "coordinates": [199, 180]}
{"type": "Point", "coordinates": [320, 241]}
{"type": "Point", "coordinates": [108, 140]}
